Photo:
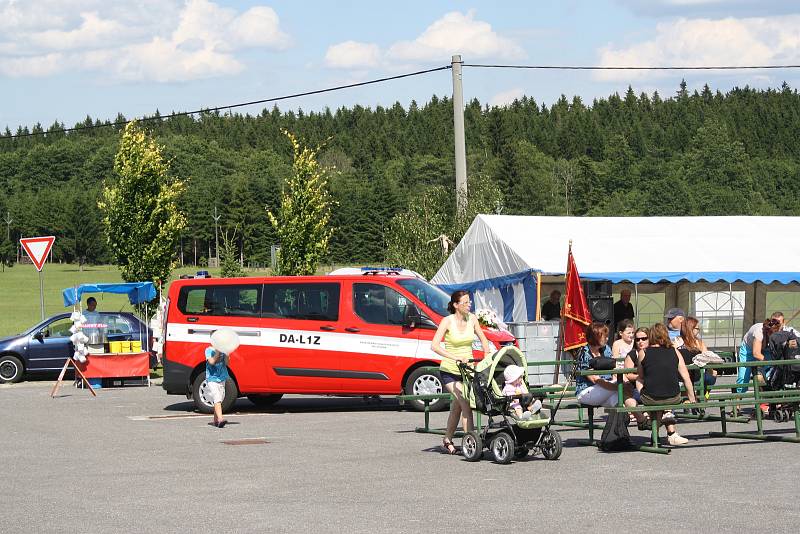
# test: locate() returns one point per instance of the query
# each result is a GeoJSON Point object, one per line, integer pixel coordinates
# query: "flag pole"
{"type": "Point", "coordinates": [560, 342]}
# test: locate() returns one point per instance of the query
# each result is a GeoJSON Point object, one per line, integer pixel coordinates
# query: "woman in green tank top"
{"type": "Point", "coordinates": [457, 330]}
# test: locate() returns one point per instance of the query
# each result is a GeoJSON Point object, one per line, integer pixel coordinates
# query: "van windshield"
{"type": "Point", "coordinates": [431, 296]}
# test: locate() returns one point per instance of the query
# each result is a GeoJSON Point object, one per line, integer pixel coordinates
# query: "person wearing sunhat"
{"type": "Point", "coordinates": [674, 319]}
{"type": "Point", "coordinates": [515, 385]}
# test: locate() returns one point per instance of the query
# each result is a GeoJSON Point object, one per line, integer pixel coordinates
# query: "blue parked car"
{"type": "Point", "coordinates": [46, 346]}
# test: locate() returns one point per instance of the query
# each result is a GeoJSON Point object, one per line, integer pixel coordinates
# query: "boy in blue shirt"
{"type": "Point", "coordinates": [216, 375]}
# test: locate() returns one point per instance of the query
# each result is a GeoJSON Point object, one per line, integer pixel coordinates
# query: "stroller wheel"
{"type": "Point", "coordinates": [520, 453]}
{"type": "Point", "coordinates": [779, 416]}
{"type": "Point", "coordinates": [502, 446]}
{"type": "Point", "coordinates": [472, 446]}
{"type": "Point", "coordinates": [551, 444]}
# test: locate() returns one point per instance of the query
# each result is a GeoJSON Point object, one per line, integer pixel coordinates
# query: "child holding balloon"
{"type": "Point", "coordinates": [223, 342]}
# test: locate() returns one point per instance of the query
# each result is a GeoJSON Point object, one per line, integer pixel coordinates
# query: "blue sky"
{"type": "Point", "coordinates": [64, 59]}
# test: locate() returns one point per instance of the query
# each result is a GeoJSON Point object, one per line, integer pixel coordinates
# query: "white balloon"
{"type": "Point", "coordinates": [75, 317]}
{"type": "Point", "coordinates": [225, 340]}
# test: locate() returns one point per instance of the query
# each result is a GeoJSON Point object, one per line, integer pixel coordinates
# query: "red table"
{"type": "Point", "coordinates": [120, 365]}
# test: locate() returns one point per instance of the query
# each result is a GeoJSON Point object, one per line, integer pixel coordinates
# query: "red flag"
{"type": "Point", "coordinates": [576, 313]}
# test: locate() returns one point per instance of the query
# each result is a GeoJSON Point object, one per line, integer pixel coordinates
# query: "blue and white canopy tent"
{"type": "Point", "coordinates": [501, 259]}
{"type": "Point", "coordinates": [138, 292]}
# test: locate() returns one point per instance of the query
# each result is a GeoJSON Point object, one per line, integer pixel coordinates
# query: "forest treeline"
{"type": "Point", "coordinates": [692, 153]}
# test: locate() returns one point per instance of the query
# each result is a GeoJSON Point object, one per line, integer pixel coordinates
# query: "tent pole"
{"type": "Point", "coordinates": [636, 305]}
{"type": "Point", "coordinates": [730, 299]}
{"type": "Point", "coordinates": [538, 296]}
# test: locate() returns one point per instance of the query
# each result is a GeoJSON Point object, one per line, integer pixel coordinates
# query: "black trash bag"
{"type": "Point", "coordinates": [615, 435]}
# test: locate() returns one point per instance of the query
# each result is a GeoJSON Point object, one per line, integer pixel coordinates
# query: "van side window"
{"type": "Point", "coordinates": [378, 304]}
{"type": "Point", "coordinates": [309, 301]}
{"type": "Point", "coordinates": [240, 300]}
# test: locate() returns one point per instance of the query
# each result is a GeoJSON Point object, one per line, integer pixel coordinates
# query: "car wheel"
{"type": "Point", "coordinates": [264, 401]}
{"type": "Point", "coordinates": [551, 445]}
{"type": "Point", "coordinates": [502, 446]}
{"type": "Point", "coordinates": [472, 446]}
{"type": "Point", "coordinates": [423, 381]}
{"type": "Point", "coordinates": [200, 395]}
{"type": "Point", "coordinates": [11, 369]}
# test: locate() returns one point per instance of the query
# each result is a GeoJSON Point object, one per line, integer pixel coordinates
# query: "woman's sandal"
{"type": "Point", "coordinates": [449, 446]}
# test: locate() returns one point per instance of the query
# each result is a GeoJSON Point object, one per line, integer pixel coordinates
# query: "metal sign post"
{"type": "Point", "coordinates": [37, 249]}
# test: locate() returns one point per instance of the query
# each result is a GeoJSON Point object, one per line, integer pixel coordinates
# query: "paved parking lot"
{"type": "Point", "coordinates": [135, 459]}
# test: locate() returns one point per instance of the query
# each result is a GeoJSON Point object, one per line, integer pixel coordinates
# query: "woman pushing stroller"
{"type": "Point", "coordinates": [457, 330]}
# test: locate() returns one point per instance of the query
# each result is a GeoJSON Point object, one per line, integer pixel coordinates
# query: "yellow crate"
{"type": "Point", "coordinates": [136, 346]}
{"type": "Point", "coordinates": [125, 346]}
{"type": "Point", "coordinates": [115, 346]}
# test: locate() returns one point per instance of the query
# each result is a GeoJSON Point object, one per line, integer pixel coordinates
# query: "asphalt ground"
{"type": "Point", "coordinates": [134, 459]}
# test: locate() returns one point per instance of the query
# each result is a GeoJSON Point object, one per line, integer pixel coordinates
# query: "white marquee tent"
{"type": "Point", "coordinates": [501, 258]}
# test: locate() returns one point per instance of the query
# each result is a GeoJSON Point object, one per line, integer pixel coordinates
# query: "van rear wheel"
{"type": "Point", "coordinates": [200, 395]}
{"type": "Point", "coordinates": [425, 381]}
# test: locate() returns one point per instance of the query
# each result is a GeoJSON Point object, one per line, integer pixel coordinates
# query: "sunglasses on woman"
{"type": "Point", "coordinates": [641, 339]}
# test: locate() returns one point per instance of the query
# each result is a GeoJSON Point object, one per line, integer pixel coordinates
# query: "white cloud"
{"type": "Point", "coordinates": [258, 26]}
{"type": "Point", "coordinates": [148, 40]}
{"type": "Point", "coordinates": [505, 98]}
{"type": "Point", "coordinates": [33, 66]}
{"type": "Point", "coordinates": [352, 55]}
{"type": "Point", "coordinates": [94, 31]}
{"type": "Point", "coordinates": [456, 33]}
{"type": "Point", "coordinates": [705, 42]}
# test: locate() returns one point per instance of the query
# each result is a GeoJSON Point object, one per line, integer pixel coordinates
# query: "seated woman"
{"type": "Point", "coordinates": [660, 367]}
{"type": "Point", "coordinates": [595, 390]}
{"type": "Point", "coordinates": [620, 349]}
{"type": "Point", "coordinates": [641, 339]}
{"type": "Point", "coordinates": [692, 346]}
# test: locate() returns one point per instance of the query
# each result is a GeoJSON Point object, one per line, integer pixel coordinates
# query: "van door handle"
{"type": "Point", "coordinates": [191, 319]}
{"type": "Point", "coordinates": [327, 327]}
{"type": "Point", "coordinates": [352, 329]}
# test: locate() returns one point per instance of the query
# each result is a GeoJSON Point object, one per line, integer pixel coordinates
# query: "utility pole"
{"type": "Point", "coordinates": [458, 130]}
{"type": "Point", "coordinates": [9, 220]}
{"type": "Point", "coordinates": [216, 236]}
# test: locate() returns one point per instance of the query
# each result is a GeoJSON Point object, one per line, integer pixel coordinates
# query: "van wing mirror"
{"type": "Point", "coordinates": [413, 317]}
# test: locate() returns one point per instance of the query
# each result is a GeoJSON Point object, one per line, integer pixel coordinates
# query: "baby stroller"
{"type": "Point", "coordinates": [784, 345]}
{"type": "Point", "coordinates": [505, 436]}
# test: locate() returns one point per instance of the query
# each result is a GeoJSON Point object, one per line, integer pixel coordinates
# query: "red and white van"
{"type": "Point", "coordinates": [364, 334]}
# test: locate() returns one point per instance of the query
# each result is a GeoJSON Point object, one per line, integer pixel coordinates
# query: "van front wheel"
{"type": "Point", "coordinates": [425, 381]}
{"type": "Point", "coordinates": [200, 395]}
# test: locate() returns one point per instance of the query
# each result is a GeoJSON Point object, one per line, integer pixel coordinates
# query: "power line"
{"type": "Point", "coordinates": [390, 78]}
{"type": "Point", "coordinates": [231, 106]}
{"type": "Point", "coordinates": [589, 67]}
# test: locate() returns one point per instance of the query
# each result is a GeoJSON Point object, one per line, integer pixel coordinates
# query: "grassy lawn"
{"type": "Point", "coordinates": [19, 290]}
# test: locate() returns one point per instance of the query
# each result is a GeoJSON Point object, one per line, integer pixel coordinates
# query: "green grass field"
{"type": "Point", "coordinates": [19, 291]}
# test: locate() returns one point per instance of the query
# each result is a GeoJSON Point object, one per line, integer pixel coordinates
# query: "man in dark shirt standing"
{"type": "Point", "coordinates": [551, 309]}
{"type": "Point", "coordinates": [623, 309]}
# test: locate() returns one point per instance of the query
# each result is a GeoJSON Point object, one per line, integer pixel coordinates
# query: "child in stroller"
{"type": "Point", "coordinates": [516, 389]}
{"type": "Point", "coordinates": [505, 436]}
